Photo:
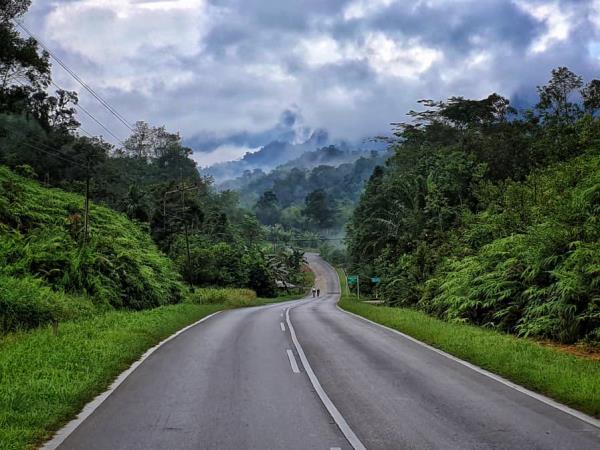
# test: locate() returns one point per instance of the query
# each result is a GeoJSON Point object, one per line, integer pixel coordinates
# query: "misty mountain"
{"type": "Point", "coordinates": [291, 183]}
{"type": "Point", "coordinates": [267, 158]}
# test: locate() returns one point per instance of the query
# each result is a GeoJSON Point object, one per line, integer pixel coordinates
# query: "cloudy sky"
{"type": "Point", "coordinates": [232, 74]}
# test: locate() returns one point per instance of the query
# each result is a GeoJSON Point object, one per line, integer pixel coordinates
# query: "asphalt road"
{"type": "Point", "coordinates": [236, 381]}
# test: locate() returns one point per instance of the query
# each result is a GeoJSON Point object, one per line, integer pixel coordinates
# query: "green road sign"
{"type": "Point", "coordinates": [352, 279]}
{"type": "Point", "coordinates": [376, 280]}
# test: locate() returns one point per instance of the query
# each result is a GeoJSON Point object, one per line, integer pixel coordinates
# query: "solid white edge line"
{"type": "Point", "coordinates": [282, 326]}
{"type": "Point", "coordinates": [293, 362]}
{"type": "Point", "coordinates": [333, 411]}
{"type": "Point", "coordinates": [542, 398]}
{"type": "Point", "coordinates": [62, 434]}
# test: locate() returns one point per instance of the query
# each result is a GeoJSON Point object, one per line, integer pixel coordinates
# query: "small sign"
{"type": "Point", "coordinates": [376, 280]}
{"type": "Point", "coordinates": [352, 279]}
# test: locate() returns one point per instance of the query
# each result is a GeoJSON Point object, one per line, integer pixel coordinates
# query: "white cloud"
{"type": "Point", "coordinates": [557, 21]}
{"type": "Point", "coordinates": [406, 59]}
{"type": "Point", "coordinates": [130, 40]}
{"type": "Point", "coordinates": [386, 56]}
{"type": "Point", "coordinates": [320, 50]}
{"type": "Point", "coordinates": [221, 154]}
{"type": "Point", "coordinates": [113, 30]}
{"type": "Point", "coordinates": [359, 9]}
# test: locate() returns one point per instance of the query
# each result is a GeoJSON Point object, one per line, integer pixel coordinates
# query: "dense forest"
{"type": "Point", "coordinates": [315, 193]}
{"type": "Point", "coordinates": [489, 215]}
{"type": "Point", "coordinates": [138, 221]}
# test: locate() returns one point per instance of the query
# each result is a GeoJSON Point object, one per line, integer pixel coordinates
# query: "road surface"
{"type": "Point", "coordinates": [236, 381]}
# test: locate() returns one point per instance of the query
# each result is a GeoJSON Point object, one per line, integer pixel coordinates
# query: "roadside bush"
{"type": "Point", "coordinates": [543, 281]}
{"type": "Point", "coordinates": [222, 296]}
{"type": "Point", "coordinates": [27, 303]}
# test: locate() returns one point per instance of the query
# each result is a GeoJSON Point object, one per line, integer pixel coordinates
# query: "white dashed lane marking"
{"type": "Point", "coordinates": [293, 362]}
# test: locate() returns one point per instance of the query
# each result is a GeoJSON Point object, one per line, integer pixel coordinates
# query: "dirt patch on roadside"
{"type": "Point", "coordinates": [581, 350]}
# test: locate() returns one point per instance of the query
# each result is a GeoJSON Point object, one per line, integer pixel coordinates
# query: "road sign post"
{"type": "Point", "coordinates": [376, 281]}
{"type": "Point", "coordinates": [354, 279]}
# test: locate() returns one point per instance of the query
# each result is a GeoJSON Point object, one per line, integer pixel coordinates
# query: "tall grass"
{"type": "Point", "coordinates": [224, 296]}
{"type": "Point", "coordinates": [532, 259]}
{"type": "Point", "coordinates": [27, 303]}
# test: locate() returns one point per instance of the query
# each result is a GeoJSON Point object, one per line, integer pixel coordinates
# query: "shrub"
{"type": "Point", "coordinates": [224, 296]}
{"type": "Point", "coordinates": [27, 303]}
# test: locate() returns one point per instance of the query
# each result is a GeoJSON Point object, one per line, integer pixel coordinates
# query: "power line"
{"type": "Point", "coordinates": [104, 103]}
{"type": "Point", "coordinates": [55, 151]}
{"type": "Point", "coordinates": [86, 132]}
{"type": "Point", "coordinates": [89, 114]}
{"type": "Point", "coordinates": [55, 154]}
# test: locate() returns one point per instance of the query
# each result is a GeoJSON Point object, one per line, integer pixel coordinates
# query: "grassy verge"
{"type": "Point", "coordinates": [46, 379]}
{"type": "Point", "coordinates": [572, 380]}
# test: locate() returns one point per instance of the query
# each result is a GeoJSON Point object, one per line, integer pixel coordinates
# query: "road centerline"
{"type": "Point", "coordinates": [293, 362]}
{"type": "Point", "coordinates": [354, 441]}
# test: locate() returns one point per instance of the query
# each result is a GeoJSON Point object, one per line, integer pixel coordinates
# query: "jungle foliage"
{"type": "Point", "coordinates": [306, 199]}
{"type": "Point", "coordinates": [47, 272]}
{"type": "Point", "coordinates": [490, 216]}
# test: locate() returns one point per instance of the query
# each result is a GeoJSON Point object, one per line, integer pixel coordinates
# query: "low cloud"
{"type": "Point", "coordinates": [221, 154]}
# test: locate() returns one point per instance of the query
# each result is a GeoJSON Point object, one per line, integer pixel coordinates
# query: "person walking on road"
{"type": "Point", "coordinates": [318, 292]}
{"type": "Point", "coordinates": [314, 291]}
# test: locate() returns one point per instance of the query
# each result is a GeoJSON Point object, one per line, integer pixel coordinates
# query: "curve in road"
{"type": "Point", "coordinates": [237, 381]}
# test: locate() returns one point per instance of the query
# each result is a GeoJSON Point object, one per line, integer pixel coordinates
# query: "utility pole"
{"type": "Point", "coordinates": [86, 217]}
{"type": "Point", "coordinates": [185, 227]}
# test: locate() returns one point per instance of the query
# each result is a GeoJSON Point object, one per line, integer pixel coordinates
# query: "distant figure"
{"type": "Point", "coordinates": [318, 292]}
{"type": "Point", "coordinates": [314, 291]}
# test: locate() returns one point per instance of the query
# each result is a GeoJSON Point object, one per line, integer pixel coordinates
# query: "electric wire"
{"type": "Point", "coordinates": [90, 115]}
{"type": "Point", "coordinates": [104, 103]}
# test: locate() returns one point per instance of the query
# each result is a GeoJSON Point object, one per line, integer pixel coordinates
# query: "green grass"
{"type": "Point", "coordinates": [572, 380]}
{"type": "Point", "coordinates": [45, 379]}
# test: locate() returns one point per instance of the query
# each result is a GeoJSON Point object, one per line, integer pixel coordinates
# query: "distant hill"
{"type": "Point", "coordinates": [267, 158]}
{"type": "Point", "coordinates": [329, 156]}
{"type": "Point", "coordinates": [292, 181]}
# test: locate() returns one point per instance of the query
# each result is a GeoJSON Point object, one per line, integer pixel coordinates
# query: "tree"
{"type": "Point", "coordinates": [267, 208]}
{"type": "Point", "coordinates": [318, 209]}
{"type": "Point", "coordinates": [136, 204]}
{"type": "Point", "coordinates": [591, 97]}
{"type": "Point", "coordinates": [20, 61]}
{"type": "Point", "coordinates": [555, 96]}
{"type": "Point", "coordinates": [57, 112]}
{"type": "Point", "coordinates": [152, 142]}
{"type": "Point", "coordinates": [250, 229]}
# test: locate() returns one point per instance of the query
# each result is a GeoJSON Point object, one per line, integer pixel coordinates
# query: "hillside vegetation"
{"type": "Point", "coordinates": [49, 273]}
{"type": "Point", "coordinates": [489, 216]}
